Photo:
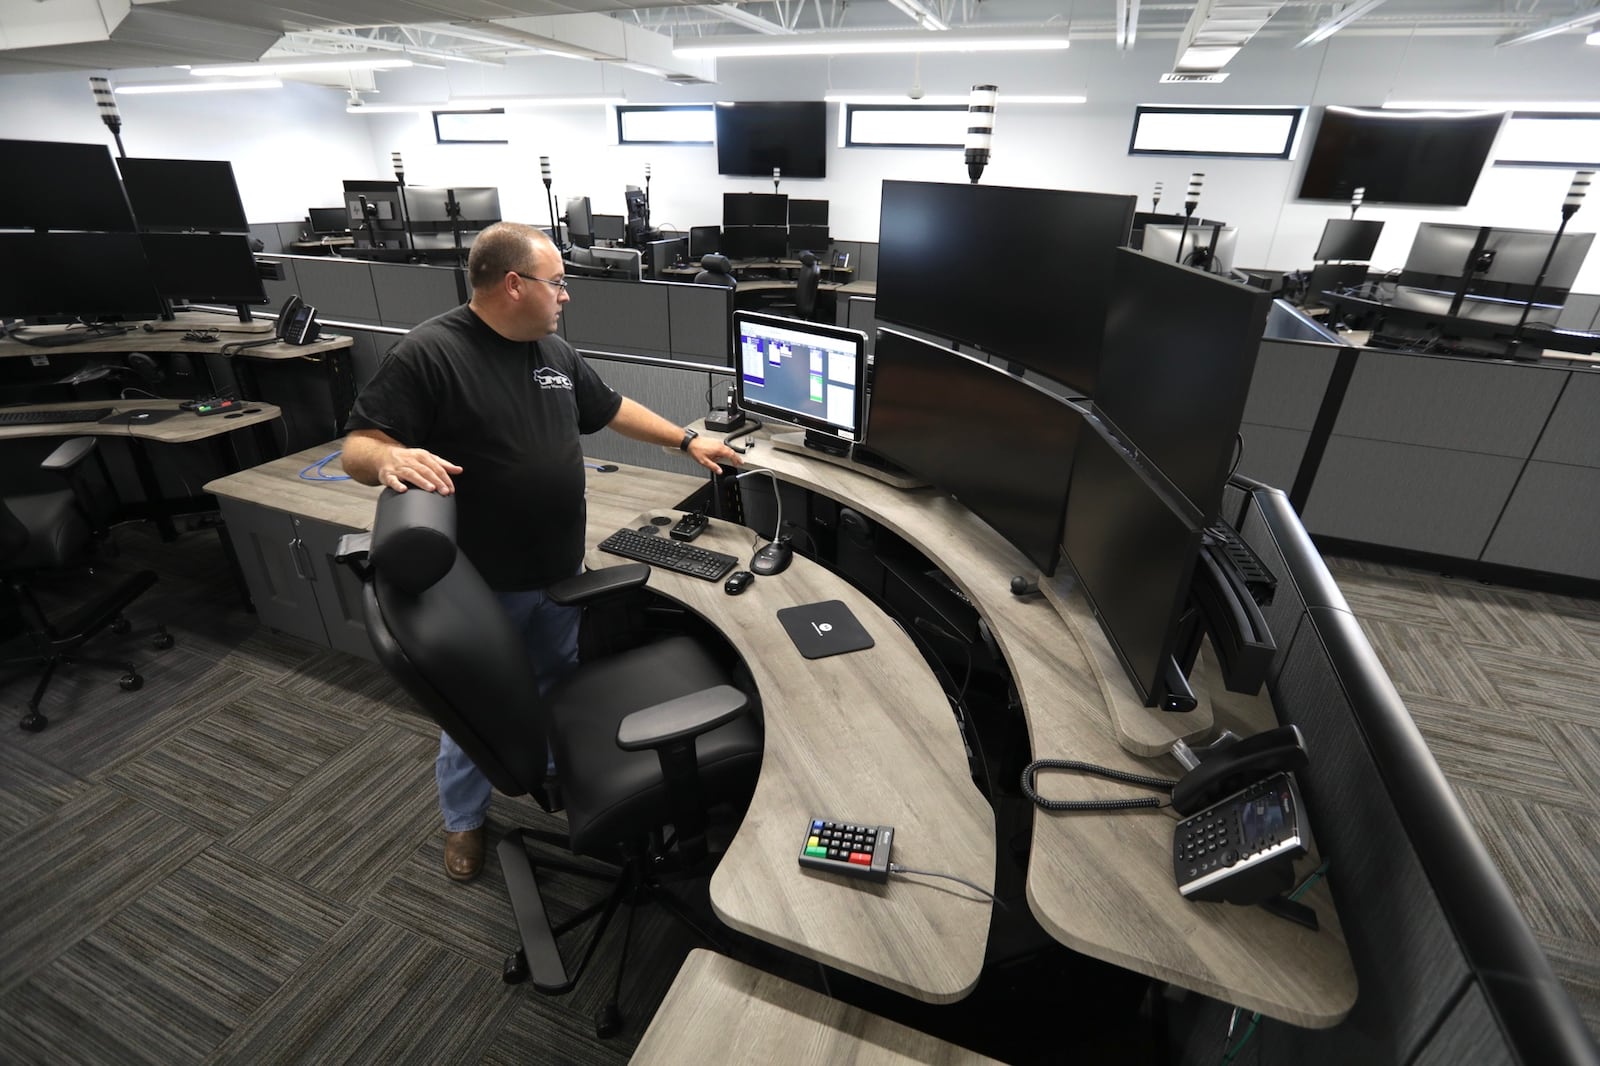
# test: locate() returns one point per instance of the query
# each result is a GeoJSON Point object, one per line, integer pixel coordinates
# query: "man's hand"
{"type": "Point", "coordinates": [708, 451]}
{"type": "Point", "coordinates": [419, 467]}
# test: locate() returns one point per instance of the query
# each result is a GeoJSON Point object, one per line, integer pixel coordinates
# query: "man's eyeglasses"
{"type": "Point", "coordinates": [560, 283]}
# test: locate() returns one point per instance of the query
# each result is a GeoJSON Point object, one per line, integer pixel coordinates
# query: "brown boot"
{"type": "Point", "coordinates": [463, 854]}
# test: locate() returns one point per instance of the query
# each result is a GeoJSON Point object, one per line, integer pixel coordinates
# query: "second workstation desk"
{"type": "Point", "coordinates": [869, 736]}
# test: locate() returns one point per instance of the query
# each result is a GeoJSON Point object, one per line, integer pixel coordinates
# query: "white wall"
{"type": "Point", "coordinates": [291, 147]}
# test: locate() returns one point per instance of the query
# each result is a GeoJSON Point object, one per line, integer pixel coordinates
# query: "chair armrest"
{"type": "Point", "coordinates": [686, 716]}
{"type": "Point", "coordinates": [68, 455]}
{"type": "Point", "coordinates": [589, 586]}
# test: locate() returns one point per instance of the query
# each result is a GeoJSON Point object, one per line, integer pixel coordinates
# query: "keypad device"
{"type": "Point", "coordinates": [848, 848]}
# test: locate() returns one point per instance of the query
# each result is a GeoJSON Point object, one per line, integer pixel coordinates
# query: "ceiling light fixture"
{"type": "Point", "coordinates": [919, 13]}
{"type": "Point", "coordinates": [941, 98]}
{"type": "Point", "coordinates": [484, 103]}
{"type": "Point", "coordinates": [1458, 106]}
{"type": "Point", "coordinates": [229, 85]}
{"type": "Point", "coordinates": [1346, 15]}
{"type": "Point", "coordinates": [826, 44]}
{"type": "Point", "coordinates": [1572, 22]}
{"type": "Point", "coordinates": [291, 66]}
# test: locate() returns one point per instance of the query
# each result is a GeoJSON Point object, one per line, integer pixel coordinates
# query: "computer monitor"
{"type": "Point", "coordinates": [936, 238]}
{"type": "Point", "coordinates": [1349, 239]}
{"type": "Point", "coordinates": [808, 213]}
{"type": "Point", "coordinates": [1332, 277]}
{"type": "Point", "coordinates": [1519, 255]}
{"type": "Point", "coordinates": [58, 185]}
{"type": "Point", "coordinates": [1208, 248]}
{"type": "Point", "coordinates": [1134, 557]}
{"type": "Point", "coordinates": [579, 225]}
{"type": "Point", "coordinates": [477, 207]}
{"type": "Point", "coordinates": [755, 242]}
{"type": "Point", "coordinates": [1175, 368]}
{"type": "Point", "coordinates": [609, 227]}
{"type": "Point", "coordinates": [1492, 261]}
{"type": "Point", "coordinates": [703, 240]}
{"type": "Point", "coordinates": [210, 268]}
{"type": "Point", "coordinates": [666, 253]}
{"type": "Point", "coordinates": [184, 194]}
{"type": "Point", "coordinates": [77, 275]}
{"type": "Point", "coordinates": [1441, 250]}
{"type": "Point", "coordinates": [634, 197]}
{"type": "Point", "coordinates": [618, 262]}
{"type": "Point", "coordinates": [328, 221]}
{"type": "Point", "coordinates": [376, 217]}
{"type": "Point", "coordinates": [804, 373]}
{"type": "Point", "coordinates": [999, 444]}
{"type": "Point", "coordinates": [808, 239]}
{"type": "Point", "coordinates": [755, 209]}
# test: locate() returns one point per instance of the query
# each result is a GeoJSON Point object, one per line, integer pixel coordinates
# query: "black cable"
{"type": "Point", "coordinates": [896, 868]}
{"type": "Point", "coordinates": [1028, 772]}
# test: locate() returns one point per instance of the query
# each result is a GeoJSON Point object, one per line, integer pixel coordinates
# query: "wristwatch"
{"type": "Point", "coordinates": [688, 435]}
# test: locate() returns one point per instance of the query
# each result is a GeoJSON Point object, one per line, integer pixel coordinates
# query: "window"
{"type": "Point", "coordinates": [1248, 132]}
{"type": "Point", "coordinates": [904, 126]}
{"type": "Point", "coordinates": [470, 127]}
{"type": "Point", "coordinates": [1549, 140]}
{"type": "Point", "coordinates": [689, 124]}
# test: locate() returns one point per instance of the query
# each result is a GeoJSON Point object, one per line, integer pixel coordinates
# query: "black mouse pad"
{"type": "Point", "coordinates": [141, 418]}
{"type": "Point", "coordinates": [823, 629]}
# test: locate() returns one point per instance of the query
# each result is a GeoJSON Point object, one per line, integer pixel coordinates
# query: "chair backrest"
{"type": "Point", "coordinates": [716, 269]}
{"type": "Point", "coordinates": [805, 285]}
{"type": "Point", "coordinates": [439, 630]}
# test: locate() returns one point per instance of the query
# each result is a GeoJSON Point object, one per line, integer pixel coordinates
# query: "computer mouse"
{"type": "Point", "coordinates": [737, 582]}
{"type": "Point", "coordinates": [772, 559]}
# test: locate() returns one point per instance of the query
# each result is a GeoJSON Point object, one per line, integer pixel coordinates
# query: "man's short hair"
{"type": "Point", "coordinates": [502, 248]}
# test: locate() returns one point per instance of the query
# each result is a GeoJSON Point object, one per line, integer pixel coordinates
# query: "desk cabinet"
{"type": "Point", "coordinates": [287, 561]}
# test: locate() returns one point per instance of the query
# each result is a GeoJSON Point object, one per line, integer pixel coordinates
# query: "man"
{"type": "Point", "coordinates": [485, 402]}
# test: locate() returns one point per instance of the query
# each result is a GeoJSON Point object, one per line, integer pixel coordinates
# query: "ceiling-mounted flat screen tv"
{"type": "Point", "coordinates": [753, 138]}
{"type": "Point", "coordinates": [1399, 157]}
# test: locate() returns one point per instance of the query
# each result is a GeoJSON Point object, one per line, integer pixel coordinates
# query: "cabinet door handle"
{"type": "Point", "coordinates": [302, 566]}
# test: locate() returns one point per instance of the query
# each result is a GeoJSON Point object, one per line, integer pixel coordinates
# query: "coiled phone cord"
{"type": "Point", "coordinates": [1030, 771]}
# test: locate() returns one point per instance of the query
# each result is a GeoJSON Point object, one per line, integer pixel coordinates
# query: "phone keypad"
{"type": "Point", "coordinates": [847, 848]}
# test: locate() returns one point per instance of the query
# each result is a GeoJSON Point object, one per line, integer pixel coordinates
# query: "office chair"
{"type": "Point", "coordinates": [54, 529]}
{"type": "Point", "coordinates": [645, 737]}
{"type": "Point", "coordinates": [716, 269]}
{"type": "Point", "coordinates": [805, 286]}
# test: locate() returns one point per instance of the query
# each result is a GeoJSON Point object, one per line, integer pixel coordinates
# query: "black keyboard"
{"type": "Point", "coordinates": [669, 554]}
{"type": "Point", "coordinates": [36, 417]}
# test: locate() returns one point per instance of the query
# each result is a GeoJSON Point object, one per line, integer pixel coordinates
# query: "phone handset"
{"type": "Point", "coordinates": [1227, 769]}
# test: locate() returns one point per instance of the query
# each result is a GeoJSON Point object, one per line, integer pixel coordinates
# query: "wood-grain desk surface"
{"type": "Point", "coordinates": [172, 340]}
{"type": "Point", "coordinates": [179, 429]}
{"type": "Point", "coordinates": [719, 1010]}
{"type": "Point", "coordinates": [1100, 882]}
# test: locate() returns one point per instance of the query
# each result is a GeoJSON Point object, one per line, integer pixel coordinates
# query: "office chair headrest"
{"type": "Point", "coordinates": [414, 538]}
{"type": "Point", "coordinates": [808, 258]}
{"type": "Point", "coordinates": [716, 262]}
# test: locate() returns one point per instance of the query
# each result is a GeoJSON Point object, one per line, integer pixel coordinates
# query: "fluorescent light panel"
{"type": "Point", "coordinates": [486, 103]}
{"type": "Point", "coordinates": [813, 44]}
{"type": "Point", "coordinates": [290, 66]}
{"type": "Point", "coordinates": [151, 88]}
{"type": "Point", "coordinates": [901, 98]}
{"type": "Point", "coordinates": [1457, 106]}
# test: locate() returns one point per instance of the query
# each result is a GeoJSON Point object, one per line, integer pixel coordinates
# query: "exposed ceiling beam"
{"type": "Point", "coordinates": [1342, 18]}
{"type": "Point", "coordinates": [1550, 29]}
{"type": "Point", "coordinates": [921, 14]}
{"type": "Point", "coordinates": [734, 13]}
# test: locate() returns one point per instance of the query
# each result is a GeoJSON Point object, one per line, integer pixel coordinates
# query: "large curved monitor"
{"type": "Point", "coordinates": [805, 373]}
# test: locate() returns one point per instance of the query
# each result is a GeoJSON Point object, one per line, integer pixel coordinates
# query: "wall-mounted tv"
{"type": "Point", "coordinates": [1399, 157]}
{"type": "Point", "coordinates": [752, 138]}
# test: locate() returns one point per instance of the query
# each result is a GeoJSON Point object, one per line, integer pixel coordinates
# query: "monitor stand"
{"type": "Point", "coordinates": [796, 442]}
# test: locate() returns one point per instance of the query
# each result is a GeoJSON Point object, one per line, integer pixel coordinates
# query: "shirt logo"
{"type": "Point", "coordinates": [552, 379]}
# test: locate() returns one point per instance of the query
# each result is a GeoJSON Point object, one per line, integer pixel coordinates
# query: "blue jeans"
{"type": "Point", "coordinates": [550, 633]}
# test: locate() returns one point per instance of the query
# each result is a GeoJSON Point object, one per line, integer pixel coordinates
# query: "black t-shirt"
{"type": "Point", "coordinates": [509, 413]}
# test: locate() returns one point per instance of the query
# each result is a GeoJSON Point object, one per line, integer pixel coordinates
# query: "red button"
{"type": "Point", "coordinates": [861, 858]}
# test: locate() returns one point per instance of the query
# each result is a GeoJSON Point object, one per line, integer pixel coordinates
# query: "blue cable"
{"type": "Point", "coordinates": [316, 471]}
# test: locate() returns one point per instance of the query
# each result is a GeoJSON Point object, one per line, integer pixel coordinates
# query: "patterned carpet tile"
{"type": "Point", "coordinates": [375, 993]}
{"type": "Point", "coordinates": [1504, 750]}
{"type": "Point", "coordinates": [1403, 601]}
{"type": "Point", "coordinates": [1551, 688]}
{"type": "Point", "coordinates": [1549, 856]}
{"type": "Point", "coordinates": [1578, 967]}
{"type": "Point", "coordinates": [1576, 747]}
{"type": "Point", "coordinates": [173, 974]}
{"type": "Point", "coordinates": [1511, 618]}
{"type": "Point", "coordinates": [77, 868]}
{"type": "Point", "coordinates": [224, 768]}
{"type": "Point", "coordinates": [1428, 663]}
{"type": "Point", "coordinates": [551, 1031]}
{"type": "Point", "coordinates": [361, 687]}
{"type": "Point", "coordinates": [30, 788]}
{"type": "Point", "coordinates": [345, 826]}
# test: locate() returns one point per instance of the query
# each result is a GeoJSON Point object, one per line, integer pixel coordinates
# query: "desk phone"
{"type": "Point", "coordinates": [1243, 848]}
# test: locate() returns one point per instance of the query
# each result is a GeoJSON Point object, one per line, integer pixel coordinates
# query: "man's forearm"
{"type": "Point", "coordinates": [363, 455]}
{"type": "Point", "coordinates": [640, 423]}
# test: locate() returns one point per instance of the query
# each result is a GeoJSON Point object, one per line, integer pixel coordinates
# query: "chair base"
{"type": "Point", "coordinates": [539, 957]}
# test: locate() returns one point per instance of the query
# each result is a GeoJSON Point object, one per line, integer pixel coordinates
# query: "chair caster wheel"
{"type": "Point", "coordinates": [516, 968]}
{"type": "Point", "coordinates": [608, 1023]}
{"type": "Point", "coordinates": [121, 626]}
{"type": "Point", "coordinates": [131, 682]}
{"type": "Point", "coordinates": [163, 640]}
{"type": "Point", "coordinates": [33, 721]}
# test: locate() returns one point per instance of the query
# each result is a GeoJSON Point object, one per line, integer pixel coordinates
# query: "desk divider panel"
{"type": "Point", "coordinates": [700, 320]}
{"type": "Point", "coordinates": [675, 393]}
{"type": "Point", "coordinates": [629, 318]}
{"type": "Point", "coordinates": [339, 289]}
{"type": "Point", "coordinates": [409, 293]}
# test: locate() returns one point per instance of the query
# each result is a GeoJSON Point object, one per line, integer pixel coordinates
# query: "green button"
{"type": "Point", "coordinates": [821, 853]}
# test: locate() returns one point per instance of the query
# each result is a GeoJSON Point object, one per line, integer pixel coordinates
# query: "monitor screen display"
{"type": "Point", "coordinates": [1133, 555]}
{"type": "Point", "coordinates": [808, 238]}
{"type": "Point", "coordinates": [608, 227]}
{"type": "Point", "coordinates": [805, 373]}
{"type": "Point", "coordinates": [618, 262]}
{"type": "Point", "coordinates": [755, 242]}
{"type": "Point", "coordinates": [76, 275]}
{"type": "Point", "coordinates": [1519, 254]}
{"type": "Point", "coordinates": [476, 207]}
{"type": "Point", "coordinates": [1208, 248]}
{"type": "Point", "coordinates": [667, 253]}
{"type": "Point", "coordinates": [329, 220]}
{"type": "Point", "coordinates": [1349, 238]}
{"type": "Point", "coordinates": [997, 443]}
{"type": "Point", "coordinates": [579, 223]}
{"type": "Point", "coordinates": [1399, 157]}
{"type": "Point", "coordinates": [755, 209]}
{"type": "Point", "coordinates": [938, 242]}
{"type": "Point", "coordinates": [1180, 350]}
{"type": "Point", "coordinates": [213, 268]}
{"type": "Point", "coordinates": [184, 194]}
{"type": "Point", "coordinates": [55, 185]}
{"type": "Point", "coordinates": [753, 138]}
{"type": "Point", "coordinates": [808, 212]}
{"type": "Point", "coordinates": [703, 240]}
